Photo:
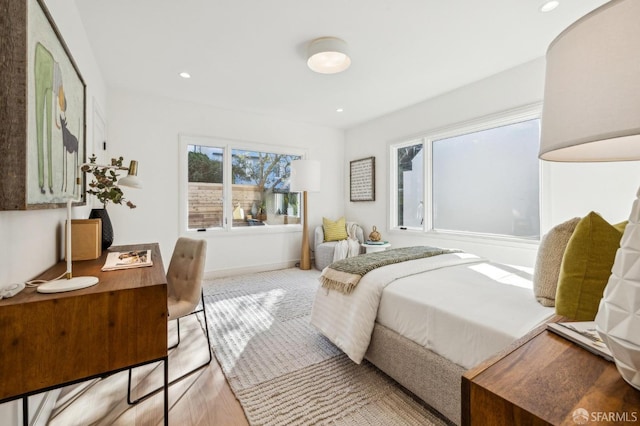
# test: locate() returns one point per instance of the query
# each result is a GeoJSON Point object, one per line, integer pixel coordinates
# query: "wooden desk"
{"type": "Point", "coordinates": [543, 380]}
{"type": "Point", "coordinates": [53, 340]}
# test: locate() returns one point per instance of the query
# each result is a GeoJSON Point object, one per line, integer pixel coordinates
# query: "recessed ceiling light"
{"type": "Point", "coordinates": [549, 5]}
{"type": "Point", "coordinates": [339, 109]}
{"type": "Point", "coordinates": [185, 74]}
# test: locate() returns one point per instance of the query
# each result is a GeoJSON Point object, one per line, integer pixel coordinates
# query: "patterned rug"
{"type": "Point", "coordinates": [283, 371]}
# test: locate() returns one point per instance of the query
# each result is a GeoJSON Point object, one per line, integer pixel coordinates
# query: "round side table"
{"type": "Point", "coordinates": [372, 248]}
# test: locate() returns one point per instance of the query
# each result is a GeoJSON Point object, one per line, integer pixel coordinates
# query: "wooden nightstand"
{"type": "Point", "coordinates": [545, 379]}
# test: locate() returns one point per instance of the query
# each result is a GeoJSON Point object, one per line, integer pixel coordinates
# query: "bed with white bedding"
{"type": "Point", "coordinates": [425, 321]}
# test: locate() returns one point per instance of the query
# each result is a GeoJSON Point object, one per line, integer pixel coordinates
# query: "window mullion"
{"type": "Point", "coordinates": [428, 187]}
{"type": "Point", "coordinates": [227, 188]}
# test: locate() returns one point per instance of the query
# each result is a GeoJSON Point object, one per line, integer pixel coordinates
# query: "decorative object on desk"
{"type": "Point", "coordinates": [43, 110]}
{"type": "Point", "coordinates": [127, 260]}
{"type": "Point", "coordinates": [374, 235]}
{"type": "Point", "coordinates": [106, 233]}
{"type": "Point", "coordinates": [362, 179]}
{"type": "Point", "coordinates": [305, 176]}
{"type": "Point", "coordinates": [67, 281]}
{"type": "Point", "coordinates": [86, 239]}
{"type": "Point", "coordinates": [105, 185]}
{"type": "Point", "coordinates": [591, 112]}
{"type": "Point", "coordinates": [106, 188]}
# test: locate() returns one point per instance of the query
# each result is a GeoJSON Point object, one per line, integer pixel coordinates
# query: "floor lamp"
{"type": "Point", "coordinates": [591, 112]}
{"type": "Point", "coordinates": [305, 176]}
{"type": "Point", "coordinates": [68, 282]}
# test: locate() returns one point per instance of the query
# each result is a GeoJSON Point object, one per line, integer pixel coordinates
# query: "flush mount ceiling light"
{"type": "Point", "coordinates": [185, 74]}
{"type": "Point", "coordinates": [549, 5]}
{"type": "Point", "coordinates": [328, 55]}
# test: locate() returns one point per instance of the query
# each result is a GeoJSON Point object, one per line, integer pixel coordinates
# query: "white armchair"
{"type": "Point", "coordinates": [324, 251]}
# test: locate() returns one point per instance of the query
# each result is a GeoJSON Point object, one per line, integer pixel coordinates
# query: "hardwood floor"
{"type": "Point", "coordinates": [203, 398]}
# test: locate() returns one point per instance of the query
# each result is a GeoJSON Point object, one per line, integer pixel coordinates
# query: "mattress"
{"type": "Point", "coordinates": [465, 313]}
{"type": "Point", "coordinates": [348, 319]}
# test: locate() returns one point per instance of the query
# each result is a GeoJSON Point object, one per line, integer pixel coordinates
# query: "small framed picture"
{"type": "Point", "coordinates": [363, 179]}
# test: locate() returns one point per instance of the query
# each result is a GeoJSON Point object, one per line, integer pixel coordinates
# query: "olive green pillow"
{"type": "Point", "coordinates": [548, 261]}
{"type": "Point", "coordinates": [586, 267]}
{"type": "Point", "coordinates": [334, 231]}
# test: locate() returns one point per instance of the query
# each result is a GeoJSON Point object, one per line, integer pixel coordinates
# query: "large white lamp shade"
{"type": "Point", "coordinates": [591, 112]}
{"type": "Point", "coordinates": [305, 176]}
{"type": "Point", "coordinates": [592, 88]}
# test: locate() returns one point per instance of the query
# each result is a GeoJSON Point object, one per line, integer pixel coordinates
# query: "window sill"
{"type": "Point", "coordinates": [496, 240]}
{"type": "Point", "coordinates": [245, 230]}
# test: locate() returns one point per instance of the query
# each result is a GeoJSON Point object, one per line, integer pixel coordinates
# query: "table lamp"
{"type": "Point", "coordinates": [68, 282]}
{"type": "Point", "coordinates": [591, 112]}
{"type": "Point", "coordinates": [305, 176]}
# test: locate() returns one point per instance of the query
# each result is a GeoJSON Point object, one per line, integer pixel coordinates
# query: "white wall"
{"type": "Point", "coordinates": [568, 190]}
{"type": "Point", "coordinates": [31, 241]}
{"type": "Point", "coordinates": [147, 129]}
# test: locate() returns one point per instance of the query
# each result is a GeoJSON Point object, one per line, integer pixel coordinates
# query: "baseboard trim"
{"type": "Point", "coordinates": [230, 272]}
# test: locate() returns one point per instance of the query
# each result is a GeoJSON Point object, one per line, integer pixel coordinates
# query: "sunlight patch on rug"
{"type": "Point", "coordinates": [257, 312]}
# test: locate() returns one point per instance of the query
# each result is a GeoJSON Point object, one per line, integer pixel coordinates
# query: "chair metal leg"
{"type": "Point", "coordinates": [177, 379]}
{"type": "Point", "coordinates": [178, 342]}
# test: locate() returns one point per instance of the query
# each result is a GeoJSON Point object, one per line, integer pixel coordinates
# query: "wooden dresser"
{"type": "Point", "coordinates": [545, 379]}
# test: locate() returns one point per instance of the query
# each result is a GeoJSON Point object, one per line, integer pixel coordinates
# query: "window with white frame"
{"type": "Point", "coordinates": [231, 184]}
{"type": "Point", "coordinates": [475, 179]}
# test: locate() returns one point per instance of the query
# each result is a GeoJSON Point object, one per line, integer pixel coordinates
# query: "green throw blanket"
{"type": "Point", "coordinates": [345, 274]}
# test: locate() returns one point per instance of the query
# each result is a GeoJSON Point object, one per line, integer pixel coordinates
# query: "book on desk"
{"type": "Point", "coordinates": [117, 260]}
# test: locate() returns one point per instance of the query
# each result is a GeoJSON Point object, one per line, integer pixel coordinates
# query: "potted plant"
{"type": "Point", "coordinates": [104, 187]}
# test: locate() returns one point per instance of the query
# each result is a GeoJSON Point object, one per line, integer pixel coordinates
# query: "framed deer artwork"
{"type": "Point", "coordinates": [42, 110]}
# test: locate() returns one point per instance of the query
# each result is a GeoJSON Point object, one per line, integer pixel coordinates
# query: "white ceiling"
{"type": "Point", "coordinates": [249, 55]}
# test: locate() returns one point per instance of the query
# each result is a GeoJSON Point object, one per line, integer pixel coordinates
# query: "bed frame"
{"type": "Point", "coordinates": [432, 378]}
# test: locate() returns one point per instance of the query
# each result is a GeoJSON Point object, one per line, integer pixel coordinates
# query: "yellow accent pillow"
{"type": "Point", "coordinates": [334, 231]}
{"type": "Point", "coordinates": [586, 267]}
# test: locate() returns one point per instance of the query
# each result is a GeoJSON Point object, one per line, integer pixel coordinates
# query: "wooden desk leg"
{"type": "Point", "coordinates": [166, 391]}
{"type": "Point", "coordinates": [25, 411]}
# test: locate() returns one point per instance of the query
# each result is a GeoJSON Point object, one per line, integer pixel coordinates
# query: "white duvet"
{"type": "Point", "coordinates": [458, 305]}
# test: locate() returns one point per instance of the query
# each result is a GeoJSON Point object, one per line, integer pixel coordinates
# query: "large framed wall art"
{"type": "Point", "coordinates": [362, 179]}
{"type": "Point", "coordinates": [42, 110]}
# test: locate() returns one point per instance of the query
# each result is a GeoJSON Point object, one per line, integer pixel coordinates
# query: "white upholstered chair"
{"type": "Point", "coordinates": [324, 250]}
{"type": "Point", "coordinates": [184, 294]}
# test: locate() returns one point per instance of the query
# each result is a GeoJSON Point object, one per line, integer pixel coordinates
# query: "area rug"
{"type": "Point", "coordinates": [283, 371]}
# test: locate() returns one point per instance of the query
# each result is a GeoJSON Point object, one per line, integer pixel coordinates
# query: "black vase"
{"type": "Point", "coordinates": [107, 229]}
